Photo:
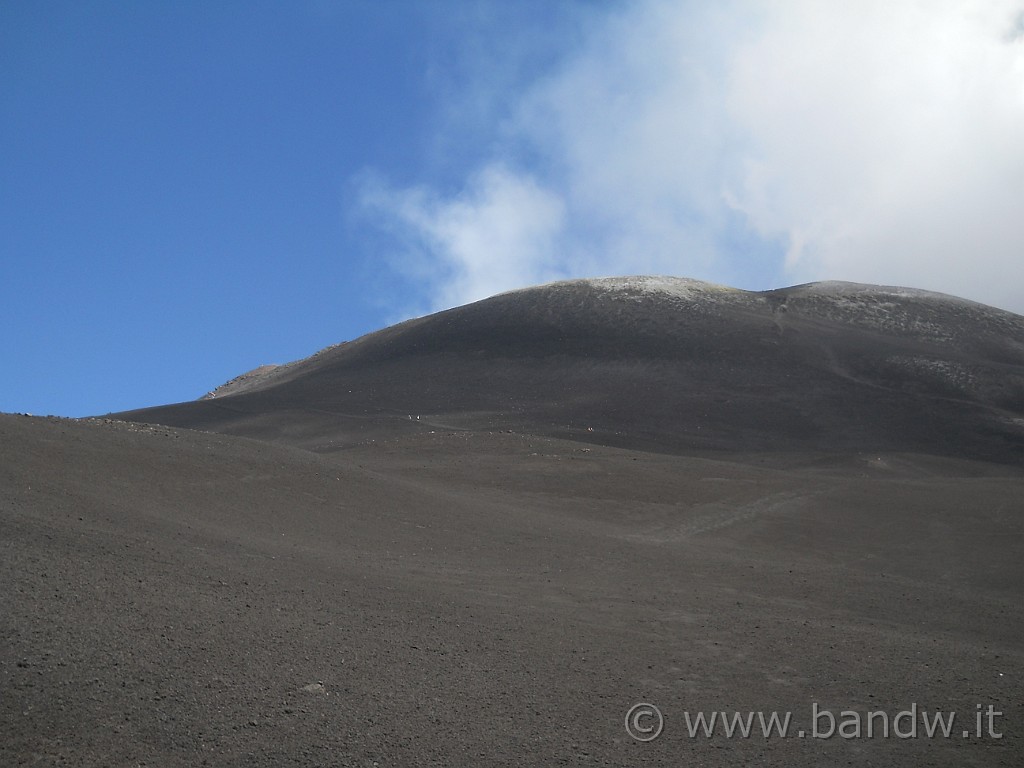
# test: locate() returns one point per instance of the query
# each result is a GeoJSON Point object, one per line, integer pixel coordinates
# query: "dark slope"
{"type": "Point", "coordinates": [476, 566]}
{"type": "Point", "coordinates": [662, 364]}
{"type": "Point", "coordinates": [175, 598]}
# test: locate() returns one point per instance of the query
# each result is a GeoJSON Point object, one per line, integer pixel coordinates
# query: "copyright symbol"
{"type": "Point", "coordinates": [644, 722]}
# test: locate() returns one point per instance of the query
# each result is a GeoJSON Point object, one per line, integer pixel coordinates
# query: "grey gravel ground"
{"type": "Point", "coordinates": [322, 578]}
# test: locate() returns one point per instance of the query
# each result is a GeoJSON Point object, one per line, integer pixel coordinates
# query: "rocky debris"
{"type": "Point", "coordinates": [241, 382]}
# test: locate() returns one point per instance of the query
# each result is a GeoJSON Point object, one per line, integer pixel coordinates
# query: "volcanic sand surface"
{"type": "Point", "coordinates": [478, 538]}
{"type": "Point", "coordinates": [476, 598]}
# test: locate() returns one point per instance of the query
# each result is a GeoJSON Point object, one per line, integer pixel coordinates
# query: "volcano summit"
{"type": "Point", "coordinates": [662, 364]}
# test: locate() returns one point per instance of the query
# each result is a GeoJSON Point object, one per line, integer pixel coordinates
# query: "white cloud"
{"type": "Point", "coordinates": [885, 142]}
{"type": "Point", "coordinates": [874, 141]}
{"type": "Point", "coordinates": [499, 232]}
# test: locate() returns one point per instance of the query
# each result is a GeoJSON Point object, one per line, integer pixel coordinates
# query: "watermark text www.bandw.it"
{"type": "Point", "coordinates": [645, 722]}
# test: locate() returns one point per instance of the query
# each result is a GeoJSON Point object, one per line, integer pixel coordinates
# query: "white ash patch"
{"type": "Point", "coordinates": [683, 292]}
{"type": "Point", "coordinates": [946, 372]}
{"type": "Point", "coordinates": [841, 288]}
{"type": "Point", "coordinates": [679, 287]}
{"type": "Point", "coordinates": [873, 307]}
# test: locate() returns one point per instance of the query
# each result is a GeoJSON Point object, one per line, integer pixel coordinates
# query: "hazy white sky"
{"type": "Point", "coordinates": [751, 143]}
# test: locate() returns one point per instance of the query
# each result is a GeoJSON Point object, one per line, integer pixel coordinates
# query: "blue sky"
{"type": "Point", "coordinates": [190, 190]}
